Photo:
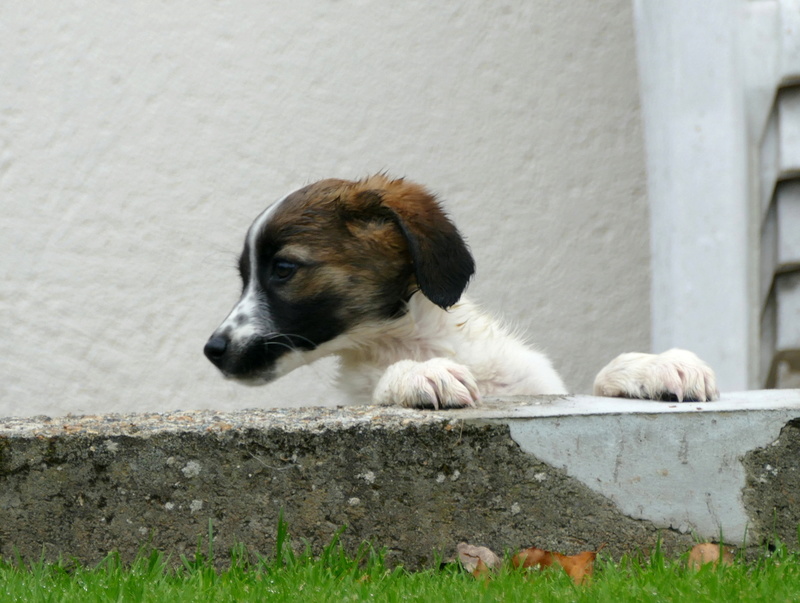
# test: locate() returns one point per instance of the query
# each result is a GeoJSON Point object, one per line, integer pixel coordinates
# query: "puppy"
{"type": "Point", "coordinates": [373, 271]}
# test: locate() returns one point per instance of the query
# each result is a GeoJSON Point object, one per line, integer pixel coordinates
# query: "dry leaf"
{"type": "Point", "coordinates": [477, 560]}
{"type": "Point", "coordinates": [578, 567]}
{"type": "Point", "coordinates": [481, 571]}
{"type": "Point", "coordinates": [533, 557]}
{"type": "Point", "coordinates": [708, 552]}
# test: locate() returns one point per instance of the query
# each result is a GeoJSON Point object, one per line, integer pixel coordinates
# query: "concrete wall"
{"type": "Point", "coordinates": [562, 473]}
{"type": "Point", "coordinates": [695, 129]}
{"type": "Point", "coordinates": [137, 142]}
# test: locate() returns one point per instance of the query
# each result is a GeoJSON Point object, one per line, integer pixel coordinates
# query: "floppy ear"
{"type": "Point", "coordinates": [441, 259]}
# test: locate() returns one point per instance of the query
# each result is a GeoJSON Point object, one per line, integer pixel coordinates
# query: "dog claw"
{"type": "Point", "coordinates": [437, 383]}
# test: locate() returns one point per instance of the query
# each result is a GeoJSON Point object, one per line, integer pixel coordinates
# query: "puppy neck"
{"type": "Point", "coordinates": [424, 331]}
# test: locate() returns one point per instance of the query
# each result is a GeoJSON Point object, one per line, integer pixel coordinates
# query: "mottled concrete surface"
{"type": "Point", "coordinates": [414, 482]}
{"type": "Point", "coordinates": [773, 488]}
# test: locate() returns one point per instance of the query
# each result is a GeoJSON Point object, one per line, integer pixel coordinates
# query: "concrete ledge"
{"type": "Point", "coordinates": [567, 473]}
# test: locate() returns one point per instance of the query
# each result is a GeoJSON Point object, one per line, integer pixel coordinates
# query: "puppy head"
{"type": "Point", "coordinates": [329, 257]}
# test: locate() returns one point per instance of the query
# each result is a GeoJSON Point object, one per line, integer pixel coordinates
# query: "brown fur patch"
{"type": "Point", "coordinates": [365, 242]}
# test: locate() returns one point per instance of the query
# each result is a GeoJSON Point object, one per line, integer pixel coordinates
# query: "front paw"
{"type": "Point", "coordinates": [436, 383]}
{"type": "Point", "coordinates": [672, 375]}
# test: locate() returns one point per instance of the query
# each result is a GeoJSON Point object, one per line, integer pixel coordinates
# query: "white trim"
{"type": "Point", "coordinates": [698, 181]}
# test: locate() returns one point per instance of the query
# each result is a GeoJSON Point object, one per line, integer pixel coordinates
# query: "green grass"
{"type": "Point", "coordinates": [336, 576]}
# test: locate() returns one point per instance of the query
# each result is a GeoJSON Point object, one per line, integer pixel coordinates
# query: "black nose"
{"type": "Point", "coordinates": [215, 348]}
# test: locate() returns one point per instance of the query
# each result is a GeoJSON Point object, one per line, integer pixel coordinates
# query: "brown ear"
{"type": "Point", "coordinates": [442, 261]}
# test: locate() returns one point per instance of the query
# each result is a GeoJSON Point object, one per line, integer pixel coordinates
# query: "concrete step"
{"type": "Point", "coordinates": [564, 473]}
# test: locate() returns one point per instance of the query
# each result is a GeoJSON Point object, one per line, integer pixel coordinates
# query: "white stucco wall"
{"type": "Point", "coordinates": [138, 141]}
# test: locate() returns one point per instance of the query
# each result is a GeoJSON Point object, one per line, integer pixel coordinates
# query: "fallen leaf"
{"type": "Point", "coordinates": [578, 567]}
{"type": "Point", "coordinates": [477, 560]}
{"type": "Point", "coordinates": [533, 557]}
{"type": "Point", "coordinates": [481, 571]}
{"type": "Point", "coordinates": [708, 552]}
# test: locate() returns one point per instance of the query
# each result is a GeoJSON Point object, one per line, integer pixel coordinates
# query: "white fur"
{"type": "Point", "coordinates": [649, 375]}
{"type": "Point", "coordinates": [451, 358]}
{"type": "Point", "coordinates": [241, 322]}
{"type": "Point", "coordinates": [435, 357]}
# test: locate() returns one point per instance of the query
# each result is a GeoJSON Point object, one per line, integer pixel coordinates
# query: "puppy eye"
{"type": "Point", "coordinates": [283, 270]}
